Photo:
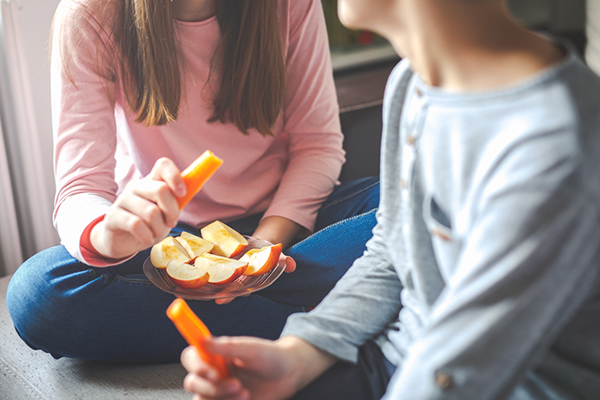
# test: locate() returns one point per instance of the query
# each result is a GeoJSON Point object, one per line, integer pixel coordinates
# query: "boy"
{"type": "Point", "coordinates": [481, 280]}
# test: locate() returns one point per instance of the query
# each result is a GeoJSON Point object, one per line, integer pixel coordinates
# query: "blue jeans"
{"type": "Point", "coordinates": [366, 380]}
{"type": "Point", "coordinates": [116, 314]}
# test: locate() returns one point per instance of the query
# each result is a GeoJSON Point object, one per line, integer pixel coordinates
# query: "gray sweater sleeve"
{"type": "Point", "coordinates": [366, 300]}
{"type": "Point", "coordinates": [360, 306]}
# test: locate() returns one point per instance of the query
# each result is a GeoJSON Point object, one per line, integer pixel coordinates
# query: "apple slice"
{"type": "Point", "coordinates": [186, 275]}
{"type": "Point", "coordinates": [194, 245]}
{"type": "Point", "coordinates": [260, 261]}
{"type": "Point", "coordinates": [168, 250]}
{"type": "Point", "coordinates": [222, 270]}
{"type": "Point", "coordinates": [228, 242]}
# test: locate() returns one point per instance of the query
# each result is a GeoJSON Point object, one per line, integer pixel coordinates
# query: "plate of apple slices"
{"type": "Point", "coordinates": [221, 263]}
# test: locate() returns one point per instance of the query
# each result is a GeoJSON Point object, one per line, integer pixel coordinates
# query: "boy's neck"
{"type": "Point", "coordinates": [470, 45]}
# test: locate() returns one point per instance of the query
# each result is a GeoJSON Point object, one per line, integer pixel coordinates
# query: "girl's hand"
{"type": "Point", "coordinates": [290, 266]}
{"type": "Point", "coordinates": [275, 230]}
{"type": "Point", "coordinates": [260, 369]}
{"type": "Point", "coordinates": [142, 215]}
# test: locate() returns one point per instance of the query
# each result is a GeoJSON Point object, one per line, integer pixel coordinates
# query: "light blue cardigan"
{"type": "Point", "coordinates": [481, 280]}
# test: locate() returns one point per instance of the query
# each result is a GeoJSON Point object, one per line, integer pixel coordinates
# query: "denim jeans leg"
{"type": "Point", "coordinates": [116, 314]}
{"type": "Point", "coordinates": [366, 380]}
{"type": "Point", "coordinates": [346, 222]}
{"type": "Point", "coordinates": [348, 200]}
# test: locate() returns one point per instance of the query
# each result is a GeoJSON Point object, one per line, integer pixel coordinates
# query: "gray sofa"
{"type": "Point", "coordinates": [27, 374]}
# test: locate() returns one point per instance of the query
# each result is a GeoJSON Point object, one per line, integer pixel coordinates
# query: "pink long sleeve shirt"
{"type": "Point", "coordinates": [99, 147]}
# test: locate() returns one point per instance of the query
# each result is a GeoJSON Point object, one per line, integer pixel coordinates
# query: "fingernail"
{"type": "Point", "coordinates": [243, 395]}
{"type": "Point", "coordinates": [212, 375]}
{"type": "Point", "coordinates": [180, 191]}
{"type": "Point", "coordinates": [233, 386]}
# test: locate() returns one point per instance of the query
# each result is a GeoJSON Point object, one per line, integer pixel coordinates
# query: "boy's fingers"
{"type": "Point", "coordinates": [241, 348]}
{"type": "Point", "coordinates": [223, 389]}
{"type": "Point", "coordinates": [193, 363]}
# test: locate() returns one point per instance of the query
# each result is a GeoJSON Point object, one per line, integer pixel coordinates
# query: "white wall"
{"type": "Point", "coordinates": [36, 19]}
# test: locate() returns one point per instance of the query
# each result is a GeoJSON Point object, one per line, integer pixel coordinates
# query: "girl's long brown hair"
{"type": "Point", "coordinates": [249, 58]}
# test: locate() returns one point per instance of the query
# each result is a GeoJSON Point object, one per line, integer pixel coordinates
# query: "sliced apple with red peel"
{"type": "Point", "coordinates": [194, 245]}
{"type": "Point", "coordinates": [166, 251]}
{"type": "Point", "coordinates": [260, 261]}
{"type": "Point", "coordinates": [186, 275]}
{"type": "Point", "coordinates": [222, 270]}
{"type": "Point", "coordinates": [228, 242]}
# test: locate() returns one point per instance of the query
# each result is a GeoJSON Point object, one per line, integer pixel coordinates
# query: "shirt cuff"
{"type": "Point", "coordinates": [89, 253]}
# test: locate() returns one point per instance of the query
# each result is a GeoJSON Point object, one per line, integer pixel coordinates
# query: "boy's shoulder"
{"type": "Point", "coordinates": [396, 84]}
{"type": "Point", "coordinates": [572, 91]}
{"type": "Point", "coordinates": [401, 71]}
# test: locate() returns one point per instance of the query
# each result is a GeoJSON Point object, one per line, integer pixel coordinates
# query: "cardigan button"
{"type": "Point", "coordinates": [444, 380]}
{"type": "Point", "coordinates": [410, 139]}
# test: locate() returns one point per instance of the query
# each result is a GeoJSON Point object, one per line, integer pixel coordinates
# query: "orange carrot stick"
{"type": "Point", "coordinates": [195, 333]}
{"type": "Point", "coordinates": [196, 175]}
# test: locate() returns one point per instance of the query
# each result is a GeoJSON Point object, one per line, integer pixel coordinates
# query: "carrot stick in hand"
{"type": "Point", "coordinates": [196, 175]}
{"type": "Point", "coordinates": [195, 332]}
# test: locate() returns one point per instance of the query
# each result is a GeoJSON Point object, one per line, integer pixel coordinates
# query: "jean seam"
{"type": "Point", "coordinates": [349, 196]}
{"type": "Point", "coordinates": [334, 225]}
{"type": "Point", "coordinates": [258, 294]}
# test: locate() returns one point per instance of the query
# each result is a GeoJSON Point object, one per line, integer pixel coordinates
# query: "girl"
{"type": "Point", "coordinates": [140, 88]}
{"type": "Point", "coordinates": [481, 279]}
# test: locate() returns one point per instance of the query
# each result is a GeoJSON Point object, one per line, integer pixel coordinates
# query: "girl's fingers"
{"type": "Point", "coordinates": [120, 219]}
{"type": "Point", "coordinates": [228, 300]}
{"type": "Point", "coordinates": [225, 300]}
{"type": "Point", "coordinates": [160, 206]}
{"type": "Point", "coordinates": [165, 170]}
{"type": "Point", "coordinates": [290, 263]}
{"type": "Point", "coordinates": [148, 213]}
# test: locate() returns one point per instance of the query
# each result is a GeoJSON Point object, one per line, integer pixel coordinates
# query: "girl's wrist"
{"type": "Point", "coordinates": [277, 229]}
{"type": "Point", "coordinates": [86, 236]}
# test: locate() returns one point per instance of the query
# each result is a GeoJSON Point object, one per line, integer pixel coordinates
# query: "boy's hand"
{"type": "Point", "coordinates": [260, 369]}
{"type": "Point", "coordinates": [142, 215]}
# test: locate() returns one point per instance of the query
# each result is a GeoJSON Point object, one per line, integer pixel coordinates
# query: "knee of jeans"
{"type": "Point", "coordinates": [31, 299]}
{"type": "Point", "coordinates": [373, 192]}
